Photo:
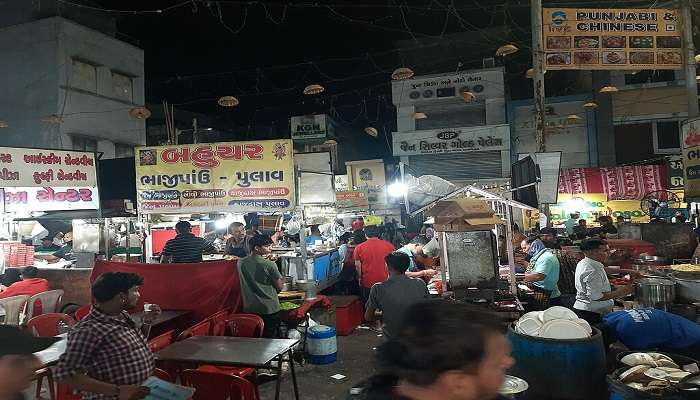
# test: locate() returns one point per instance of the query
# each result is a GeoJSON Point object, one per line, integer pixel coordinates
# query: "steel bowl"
{"type": "Point", "coordinates": [655, 292]}
{"type": "Point", "coordinates": [687, 286]}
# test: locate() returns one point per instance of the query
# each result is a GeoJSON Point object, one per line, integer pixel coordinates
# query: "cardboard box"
{"type": "Point", "coordinates": [463, 214]}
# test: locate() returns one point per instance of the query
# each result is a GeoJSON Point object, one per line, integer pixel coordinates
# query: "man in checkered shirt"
{"type": "Point", "coordinates": [107, 356]}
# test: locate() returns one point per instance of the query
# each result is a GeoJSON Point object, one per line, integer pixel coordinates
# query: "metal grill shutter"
{"type": "Point", "coordinates": [458, 166]}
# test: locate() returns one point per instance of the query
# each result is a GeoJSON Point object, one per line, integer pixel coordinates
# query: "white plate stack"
{"type": "Point", "coordinates": [554, 323]}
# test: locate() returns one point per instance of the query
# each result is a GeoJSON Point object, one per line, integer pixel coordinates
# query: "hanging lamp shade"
{"type": "Point", "coordinates": [468, 96]}
{"type": "Point", "coordinates": [590, 105]}
{"type": "Point", "coordinates": [697, 78]}
{"type": "Point", "coordinates": [609, 89]}
{"type": "Point", "coordinates": [420, 115]}
{"type": "Point", "coordinates": [228, 101]}
{"type": "Point", "coordinates": [372, 131]}
{"type": "Point", "coordinates": [697, 58]}
{"type": "Point", "coordinates": [506, 50]}
{"type": "Point", "coordinates": [330, 142]}
{"type": "Point", "coordinates": [313, 89]}
{"type": "Point", "coordinates": [139, 113]}
{"type": "Point", "coordinates": [530, 73]}
{"type": "Point", "coordinates": [53, 119]}
{"type": "Point", "coordinates": [402, 73]}
{"type": "Point", "coordinates": [573, 118]}
{"type": "Point", "coordinates": [3, 124]}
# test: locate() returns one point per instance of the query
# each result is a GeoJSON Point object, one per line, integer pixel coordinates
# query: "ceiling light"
{"type": "Point", "coordinates": [573, 118]}
{"type": "Point", "coordinates": [697, 78]}
{"type": "Point", "coordinates": [506, 50]}
{"type": "Point", "coordinates": [468, 96]}
{"type": "Point", "coordinates": [609, 89]}
{"type": "Point", "coordinates": [530, 73]}
{"type": "Point", "coordinates": [372, 131]}
{"type": "Point", "coordinates": [330, 142]}
{"type": "Point", "coordinates": [228, 101]}
{"type": "Point", "coordinates": [53, 119]}
{"type": "Point", "coordinates": [3, 124]}
{"type": "Point", "coordinates": [590, 104]}
{"type": "Point", "coordinates": [313, 89]}
{"type": "Point", "coordinates": [402, 73]}
{"type": "Point", "coordinates": [420, 115]}
{"type": "Point", "coordinates": [139, 112]}
{"type": "Point", "coordinates": [697, 58]}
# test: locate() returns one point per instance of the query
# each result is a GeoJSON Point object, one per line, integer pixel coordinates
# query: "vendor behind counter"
{"type": "Point", "coordinates": [185, 247]}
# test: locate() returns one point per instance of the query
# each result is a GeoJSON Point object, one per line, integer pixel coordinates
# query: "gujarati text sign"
{"type": "Point", "coordinates": [20, 167]}
{"type": "Point", "coordinates": [612, 39]}
{"type": "Point", "coordinates": [28, 199]}
{"type": "Point", "coordinates": [691, 157]}
{"type": "Point", "coordinates": [230, 176]}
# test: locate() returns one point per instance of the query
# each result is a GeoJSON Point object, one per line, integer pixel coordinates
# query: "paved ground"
{"type": "Point", "coordinates": [355, 361]}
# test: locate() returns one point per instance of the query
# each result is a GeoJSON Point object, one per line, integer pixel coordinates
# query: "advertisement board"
{"type": "Point", "coordinates": [369, 176]}
{"type": "Point", "coordinates": [691, 157]}
{"type": "Point", "coordinates": [354, 200]}
{"type": "Point", "coordinates": [592, 205]}
{"type": "Point", "coordinates": [229, 176]}
{"type": "Point", "coordinates": [29, 199]}
{"type": "Point", "coordinates": [484, 84]}
{"type": "Point", "coordinates": [20, 167]}
{"type": "Point", "coordinates": [452, 140]}
{"type": "Point", "coordinates": [612, 39]}
{"type": "Point", "coordinates": [309, 128]}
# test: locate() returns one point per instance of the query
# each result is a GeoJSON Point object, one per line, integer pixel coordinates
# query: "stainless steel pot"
{"type": "Point", "coordinates": [288, 284]}
{"type": "Point", "coordinates": [687, 286]}
{"type": "Point", "coordinates": [655, 292]}
{"type": "Point", "coordinates": [307, 286]}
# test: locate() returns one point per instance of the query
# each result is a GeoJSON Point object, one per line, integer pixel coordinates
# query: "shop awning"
{"type": "Point", "coordinates": [618, 183]}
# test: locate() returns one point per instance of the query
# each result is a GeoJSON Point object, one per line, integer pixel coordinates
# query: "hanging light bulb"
{"type": "Point", "coordinates": [420, 115]}
{"type": "Point", "coordinates": [402, 73]}
{"type": "Point", "coordinates": [139, 112]}
{"type": "Point", "coordinates": [609, 89]}
{"type": "Point", "coordinates": [53, 119]}
{"type": "Point", "coordinates": [228, 101]}
{"type": "Point", "coordinates": [506, 50]}
{"type": "Point", "coordinates": [530, 73]}
{"type": "Point", "coordinates": [313, 89]}
{"type": "Point", "coordinates": [329, 142]}
{"type": "Point", "coordinates": [590, 105]}
{"type": "Point", "coordinates": [573, 118]}
{"type": "Point", "coordinates": [468, 96]}
{"type": "Point", "coordinates": [3, 124]}
{"type": "Point", "coordinates": [372, 131]}
{"type": "Point", "coordinates": [697, 58]}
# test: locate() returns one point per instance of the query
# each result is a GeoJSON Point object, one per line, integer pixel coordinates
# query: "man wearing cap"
{"type": "Point", "coordinates": [185, 247]}
{"type": "Point", "coordinates": [107, 356]}
{"type": "Point", "coordinates": [18, 364]}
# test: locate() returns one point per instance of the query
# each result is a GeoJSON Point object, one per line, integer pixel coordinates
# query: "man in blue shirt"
{"type": "Point", "coordinates": [651, 329]}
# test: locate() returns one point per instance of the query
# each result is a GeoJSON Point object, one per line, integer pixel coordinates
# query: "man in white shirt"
{"type": "Point", "coordinates": [594, 295]}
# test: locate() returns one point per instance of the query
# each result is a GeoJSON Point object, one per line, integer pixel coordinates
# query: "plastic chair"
{"type": "Point", "coordinates": [159, 373]}
{"type": "Point", "coordinates": [48, 324]}
{"type": "Point", "coordinates": [215, 386]}
{"type": "Point", "coordinates": [199, 329]}
{"type": "Point", "coordinates": [13, 307]}
{"type": "Point", "coordinates": [82, 312]}
{"type": "Point", "coordinates": [160, 342]}
{"type": "Point", "coordinates": [49, 302]}
{"type": "Point", "coordinates": [218, 322]}
{"type": "Point", "coordinates": [245, 325]}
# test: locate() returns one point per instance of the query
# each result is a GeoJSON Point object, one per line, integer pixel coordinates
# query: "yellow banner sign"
{"type": "Point", "coordinates": [612, 39]}
{"type": "Point", "coordinates": [231, 176]}
{"type": "Point", "coordinates": [691, 157]}
{"type": "Point", "coordinates": [593, 205]}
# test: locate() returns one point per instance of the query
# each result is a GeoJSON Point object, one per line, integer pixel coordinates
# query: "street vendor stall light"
{"type": "Point", "coordinates": [372, 131]}
{"type": "Point", "coordinates": [402, 73]}
{"type": "Point", "coordinates": [590, 105]}
{"type": "Point", "coordinates": [609, 89]}
{"type": "Point", "coordinates": [574, 204]}
{"type": "Point", "coordinates": [420, 115]}
{"type": "Point", "coordinates": [228, 101]}
{"type": "Point", "coordinates": [506, 50]}
{"type": "Point", "coordinates": [223, 223]}
{"type": "Point", "coordinates": [397, 189]}
{"type": "Point", "coordinates": [313, 89]}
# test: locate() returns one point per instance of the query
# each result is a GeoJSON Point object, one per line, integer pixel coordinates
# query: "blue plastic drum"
{"type": "Point", "coordinates": [321, 345]}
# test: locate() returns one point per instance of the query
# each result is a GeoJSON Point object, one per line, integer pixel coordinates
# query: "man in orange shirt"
{"type": "Point", "coordinates": [28, 286]}
{"type": "Point", "coordinates": [369, 261]}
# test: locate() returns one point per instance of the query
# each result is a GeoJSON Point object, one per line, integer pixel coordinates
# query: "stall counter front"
{"type": "Point", "coordinates": [322, 266]}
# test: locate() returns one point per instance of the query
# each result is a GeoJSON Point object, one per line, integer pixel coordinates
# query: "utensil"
{"type": "Point", "coordinates": [687, 286]}
{"type": "Point", "coordinates": [288, 283]}
{"type": "Point", "coordinates": [563, 329]}
{"type": "Point", "coordinates": [558, 312]}
{"type": "Point", "coordinates": [655, 292]}
{"type": "Point", "coordinates": [512, 385]}
{"type": "Point", "coordinates": [528, 326]}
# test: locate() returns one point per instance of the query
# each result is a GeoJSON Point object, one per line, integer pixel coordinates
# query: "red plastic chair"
{"type": "Point", "coordinates": [245, 325]}
{"type": "Point", "coordinates": [214, 386]}
{"type": "Point", "coordinates": [160, 342]}
{"type": "Point", "coordinates": [46, 325]}
{"type": "Point", "coordinates": [64, 392]}
{"type": "Point", "coordinates": [82, 312]}
{"type": "Point", "coordinates": [199, 329]}
{"type": "Point", "coordinates": [218, 322]}
{"type": "Point", "coordinates": [159, 373]}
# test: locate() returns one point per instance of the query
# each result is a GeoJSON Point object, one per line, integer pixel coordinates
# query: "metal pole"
{"type": "Point", "coordinates": [690, 67]}
{"type": "Point", "coordinates": [403, 184]}
{"type": "Point", "coordinates": [538, 75]}
{"type": "Point", "coordinates": [509, 247]}
{"type": "Point", "coordinates": [195, 138]}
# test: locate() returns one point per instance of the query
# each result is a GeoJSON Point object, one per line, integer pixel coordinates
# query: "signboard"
{"type": "Point", "coordinates": [456, 140]}
{"type": "Point", "coordinates": [229, 176]}
{"type": "Point", "coordinates": [341, 183]}
{"type": "Point", "coordinates": [675, 173]}
{"type": "Point", "coordinates": [691, 157]}
{"type": "Point", "coordinates": [484, 84]}
{"type": "Point", "coordinates": [28, 199]}
{"type": "Point", "coordinates": [306, 128]}
{"type": "Point", "coordinates": [355, 200]}
{"type": "Point", "coordinates": [592, 205]}
{"type": "Point", "coordinates": [21, 167]}
{"type": "Point", "coordinates": [368, 175]}
{"type": "Point", "coordinates": [612, 39]}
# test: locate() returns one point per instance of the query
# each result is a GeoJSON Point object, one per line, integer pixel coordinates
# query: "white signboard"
{"type": "Point", "coordinates": [28, 199]}
{"type": "Point", "coordinates": [452, 140]}
{"type": "Point", "coordinates": [309, 127]}
{"type": "Point", "coordinates": [21, 167]}
{"type": "Point", "coordinates": [549, 163]}
{"type": "Point", "coordinates": [341, 183]}
{"type": "Point", "coordinates": [484, 84]}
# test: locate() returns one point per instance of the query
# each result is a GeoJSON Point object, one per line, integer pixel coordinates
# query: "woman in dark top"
{"type": "Point", "coordinates": [443, 350]}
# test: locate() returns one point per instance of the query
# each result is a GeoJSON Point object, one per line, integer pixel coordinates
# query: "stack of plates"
{"type": "Point", "coordinates": [554, 323]}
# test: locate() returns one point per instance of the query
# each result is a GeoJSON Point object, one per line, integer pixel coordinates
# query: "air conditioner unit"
{"type": "Point", "coordinates": [488, 62]}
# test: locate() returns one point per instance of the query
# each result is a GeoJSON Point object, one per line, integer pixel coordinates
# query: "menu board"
{"type": "Point", "coordinates": [612, 39]}
{"type": "Point", "coordinates": [23, 167]}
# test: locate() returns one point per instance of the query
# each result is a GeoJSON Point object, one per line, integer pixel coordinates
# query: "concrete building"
{"type": "Point", "coordinates": [56, 67]}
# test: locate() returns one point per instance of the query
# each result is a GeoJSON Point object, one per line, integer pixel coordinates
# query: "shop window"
{"type": "Point", "coordinates": [84, 143]}
{"type": "Point", "coordinates": [83, 76]}
{"type": "Point", "coordinates": [122, 150]}
{"type": "Point", "coordinates": [667, 137]}
{"type": "Point", "coordinates": [122, 87]}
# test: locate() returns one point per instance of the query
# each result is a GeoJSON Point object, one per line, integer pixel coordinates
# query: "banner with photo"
{"type": "Point", "coordinates": [612, 39]}
{"type": "Point", "coordinates": [223, 177]}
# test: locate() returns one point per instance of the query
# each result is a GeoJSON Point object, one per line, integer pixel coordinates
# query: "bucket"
{"type": "Point", "coordinates": [321, 346]}
{"type": "Point", "coordinates": [559, 369]}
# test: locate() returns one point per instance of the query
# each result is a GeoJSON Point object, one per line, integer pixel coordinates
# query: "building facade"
{"type": "Point", "coordinates": [88, 81]}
